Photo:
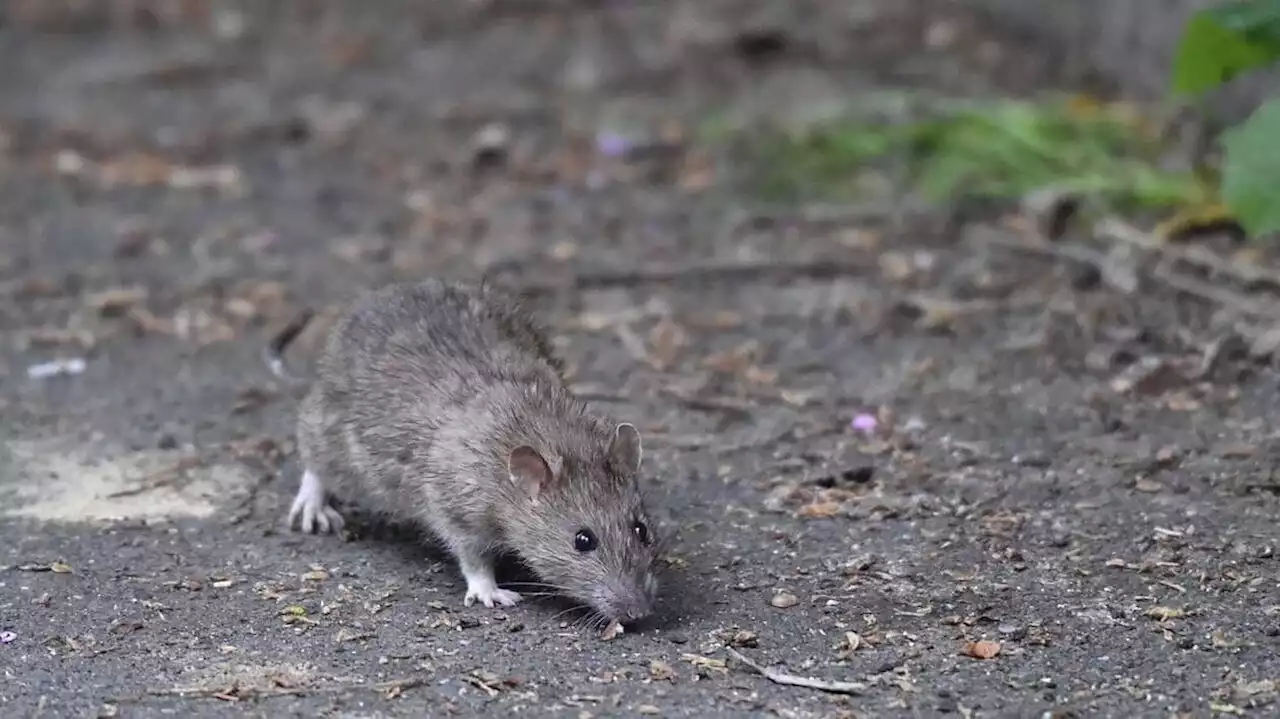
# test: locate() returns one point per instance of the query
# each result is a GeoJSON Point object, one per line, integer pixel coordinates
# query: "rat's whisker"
{"type": "Point", "coordinates": [537, 585]}
{"type": "Point", "coordinates": [575, 608]}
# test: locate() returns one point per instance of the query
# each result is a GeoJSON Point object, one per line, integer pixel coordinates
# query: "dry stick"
{"type": "Point", "coordinates": [707, 272]}
{"type": "Point", "coordinates": [1223, 296]}
{"type": "Point", "coordinates": [234, 693]}
{"type": "Point", "coordinates": [1115, 229]}
{"type": "Point", "coordinates": [791, 680]}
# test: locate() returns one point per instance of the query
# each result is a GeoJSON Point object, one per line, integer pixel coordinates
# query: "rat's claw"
{"type": "Point", "coordinates": [335, 520]}
{"type": "Point", "coordinates": [313, 510]}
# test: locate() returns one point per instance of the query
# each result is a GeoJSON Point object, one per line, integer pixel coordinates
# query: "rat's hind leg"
{"type": "Point", "coordinates": [312, 505]}
{"type": "Point", "coordinates": [482, 585]}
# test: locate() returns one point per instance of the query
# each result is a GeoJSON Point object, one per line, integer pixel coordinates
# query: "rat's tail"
{"type": "Point", "coordinates": [273, 353]}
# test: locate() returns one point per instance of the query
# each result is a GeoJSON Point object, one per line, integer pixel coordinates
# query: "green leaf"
{"type": "Point", "coordinates": [1220, 43]}
{"type": "Point", "coordinates": [1251, 170]}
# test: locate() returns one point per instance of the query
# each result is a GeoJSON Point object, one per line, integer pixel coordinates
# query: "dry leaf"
{"type": "Point", "coordinates": [852, 640]}
{"type": "Point", "coordinates": [1164, 614]}
{"type": "Point", "coordinates": [982, 649]}
{"type": "Point", "coordinates": [667, 339]}
{"type": "Point", "coordinates": [661, 671]}
{"type": "Point", "coordinates": [706, 665]}
{"type": "Point", "coordinates": [820, 510]}
{"type": "Point", "coordinates": [734, 361]}
{"type": "Point", "coordinates": [117, 300]}
{"type": "Point", "coordinates": [758, 375]}
{"type": "Point", "coordinates": [613, 631]}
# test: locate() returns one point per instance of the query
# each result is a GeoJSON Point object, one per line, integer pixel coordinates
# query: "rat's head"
{"type": "Point", "coordinates": [586, 531]}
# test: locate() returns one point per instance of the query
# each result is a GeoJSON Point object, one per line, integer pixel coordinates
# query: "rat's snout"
{"type": "Point", "coordinates": [634, 611]}
{"type": "Point", "coordinates": [630, 605]}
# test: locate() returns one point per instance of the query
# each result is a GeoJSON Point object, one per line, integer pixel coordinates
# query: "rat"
{"type": "Point", "coordinates": [442, 405]}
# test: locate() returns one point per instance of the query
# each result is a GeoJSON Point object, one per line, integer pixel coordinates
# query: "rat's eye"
{"type": "Point", "coordinates": [584, 540]}
{"type": "Point", "coordinates": [641, 531]}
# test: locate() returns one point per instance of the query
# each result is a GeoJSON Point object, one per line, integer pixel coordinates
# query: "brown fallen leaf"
{"type": "Point", "coordinates": [667, 339]}
{"type": "Point", "coordinates": [706, 666]}
{"type": "Point", "coordinates": [820, 510]}
{"type": "Point", "coordinates": [661, 671]}
{"type": "Point", "coordinates": [983, 649]}
{"type": "Point", "coordinates": [613, 631]}
{"type": "Point", "coordinates": [1164, 614]}
{"type": "Point", "coordinates": [59, 336]}
{"type": "Point", "coordinates": [733, 361]}
{"type": "Point", "coordinates": [116, 301]}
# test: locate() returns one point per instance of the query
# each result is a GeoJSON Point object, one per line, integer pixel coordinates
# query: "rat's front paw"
{"type": "Point", "coordinates": [491, 596]}
{"type": "Point", "coordinates": [315, 513]}
{"type": "Point", "coordinates": [324, 520]}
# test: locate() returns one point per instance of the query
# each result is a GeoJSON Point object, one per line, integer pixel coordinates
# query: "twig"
{"type": "Point", "coordinates": [1062, 251]}
{"type": "Point", "coordinates": [632, 343]}
{"type": "Point", "coordinates": [160, 478]}
{"type": "Point", "coordinates": [236, 692]}
{"type": "Point", "coordinates": [1229, 299]}
{"type": "Point", "coordinates": [709, 404]}
{"type": "Point", "coordinates": [791, 680]}
{"type": "Point", "coordinates": [1114, 229]}
{"type": "Point", "coordinates": [1120, 231]}
{"type": "Point", "coordinates": [708, 272]}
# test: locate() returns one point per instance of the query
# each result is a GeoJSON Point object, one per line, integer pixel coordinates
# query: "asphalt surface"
{"type": "Point", "coordinates": [1023, 530]}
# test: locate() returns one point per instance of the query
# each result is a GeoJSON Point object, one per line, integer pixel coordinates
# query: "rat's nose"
{"type": "Point", "coordinates": [634, 611]}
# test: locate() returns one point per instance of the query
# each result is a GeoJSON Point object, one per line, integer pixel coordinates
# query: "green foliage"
{"type": "Point", "coordinates": [999, 150]}
{"type": "Point", "coordinates": [1218, 45]}
{"type": "Point", "coordinates": [1251, 171]}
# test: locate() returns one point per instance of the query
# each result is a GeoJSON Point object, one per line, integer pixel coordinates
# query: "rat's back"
{"type": "Point", "coordinates": [402, 363]}
{"type": "Point", "coordinates": [433, 331]}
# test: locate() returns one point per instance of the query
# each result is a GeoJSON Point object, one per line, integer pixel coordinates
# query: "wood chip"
{"type": "Point", "coordinates": [982, 649]}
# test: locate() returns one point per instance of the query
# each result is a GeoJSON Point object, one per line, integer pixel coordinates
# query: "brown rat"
{"type": "Point", "coordinates": [442, 405]}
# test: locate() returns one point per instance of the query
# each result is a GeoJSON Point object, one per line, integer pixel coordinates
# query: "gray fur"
{"type": "Point", "coordinates": [422, 393]}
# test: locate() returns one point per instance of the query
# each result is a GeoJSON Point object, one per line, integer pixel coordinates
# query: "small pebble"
{"type": "Point", "coordinates": [45, 370]}
{"type": "Point", "coordinates": [784, 600]}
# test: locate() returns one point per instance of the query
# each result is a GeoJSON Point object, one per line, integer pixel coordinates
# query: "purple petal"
{"type": "Point", "coordinates": [612, 145]}
{"type": "Point", "coordinates": [6, 637]}
{"type": "Point", "coordinates": [865, 423]}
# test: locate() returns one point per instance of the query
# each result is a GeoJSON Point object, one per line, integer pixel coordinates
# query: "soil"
{"type": "Point", "coordinates": [892, 450]}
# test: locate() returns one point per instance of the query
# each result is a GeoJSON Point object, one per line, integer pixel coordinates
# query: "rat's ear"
{"type": "Point", "coordinates": [625, 450]}
{"type": "Point", "coordinates": [529, 470]}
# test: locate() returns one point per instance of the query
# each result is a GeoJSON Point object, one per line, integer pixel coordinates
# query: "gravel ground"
{"type": "Point", "coordinates": [1045, 507]}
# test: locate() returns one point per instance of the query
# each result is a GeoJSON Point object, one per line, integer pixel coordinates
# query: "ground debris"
{"type": "Point", "coordinates": [58, 367]}
{"type": "Point", "coordinates": [783, 600]}
{"type": "Point", "coordinates": [490, 683]}
{"type": "Point", "coordinates": [835, 687]}
{"type": "Point", "coordinates": [613, 631]}
{"type": "Point", "coordinates": [983, 649]}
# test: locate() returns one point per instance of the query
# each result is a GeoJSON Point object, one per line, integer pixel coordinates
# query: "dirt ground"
{"type": "Point", "coordinates": [1056, 512]}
